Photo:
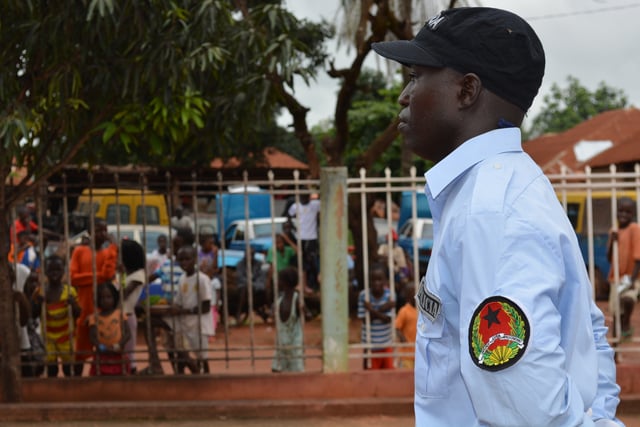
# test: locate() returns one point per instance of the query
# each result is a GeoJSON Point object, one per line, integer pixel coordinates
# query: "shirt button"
{"type": "Point", "coordinates": [497, 166]}
{"type": "Point", "coordinates": [423, 328]}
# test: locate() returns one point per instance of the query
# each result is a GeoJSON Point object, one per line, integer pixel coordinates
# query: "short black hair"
{"type": "Point", "coordinates": [133, 256]}
{"type": "Point", "coordinates": [374, 266]}
{"type": "Point", "coordinates": [288, 276]}
{"type": "Point", "coordinates": [53, 258]}
{"type": "Point", "coordinates": [114, 292]}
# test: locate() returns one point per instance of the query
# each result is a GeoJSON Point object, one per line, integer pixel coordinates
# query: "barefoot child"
{"type": "Point", "coordinates": [61, 311]}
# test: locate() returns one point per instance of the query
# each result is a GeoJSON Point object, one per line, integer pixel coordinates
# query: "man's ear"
{"type": "Point", "coordinates": [470, 88]}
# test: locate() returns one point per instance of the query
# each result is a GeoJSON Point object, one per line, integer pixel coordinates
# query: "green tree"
{"type": "Point", "coordinates": [156, 81]}
{"type": "Point", "coordinates": [564, 108]}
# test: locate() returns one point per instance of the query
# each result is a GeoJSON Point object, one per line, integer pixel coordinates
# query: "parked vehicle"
{"type": "Point", "coordinates": [406, 202]}
{"type": "Point", "coordinates": [421, 231]}
{"type": "Point", "coordinates": [124, 206]}
{"type": "Point", "coordinates": [146, 236]}
{"type": "Point", "coordinates": [601, 206]}
{"type": "Point", "coordinates": [259, 232]}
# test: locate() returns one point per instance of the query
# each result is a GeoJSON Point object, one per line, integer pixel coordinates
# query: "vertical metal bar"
{"type": "Point", "coordinates": [615, 256]}
{"type": "Point", "coordinates": [365, 262]}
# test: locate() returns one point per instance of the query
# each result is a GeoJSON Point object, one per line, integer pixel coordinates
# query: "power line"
{"type": "Point", "coordinates": [583, 12]}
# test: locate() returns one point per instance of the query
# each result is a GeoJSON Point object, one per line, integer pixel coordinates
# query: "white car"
{"type": "Point", "coordinates": [146, 236]}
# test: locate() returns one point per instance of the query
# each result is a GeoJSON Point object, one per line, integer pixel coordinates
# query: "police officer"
{"type": "Point", "coordinates": [508, 334]}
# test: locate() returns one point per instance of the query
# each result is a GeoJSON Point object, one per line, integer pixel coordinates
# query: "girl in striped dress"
{"type": "Point", "coordinates": [58, 317]}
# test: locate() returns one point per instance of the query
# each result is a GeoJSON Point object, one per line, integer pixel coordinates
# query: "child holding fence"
{"type": "Point", "coordinates": [61, 309]}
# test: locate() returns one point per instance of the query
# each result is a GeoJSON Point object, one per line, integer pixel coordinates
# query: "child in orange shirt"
{"type": "Point", "coordinates": [109, 333]}
{"type": "Point", "coordinates": [406, 324]}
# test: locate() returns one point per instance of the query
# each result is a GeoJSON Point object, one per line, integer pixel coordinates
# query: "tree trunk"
{"type": "Point", "coordinates": [10, 362]}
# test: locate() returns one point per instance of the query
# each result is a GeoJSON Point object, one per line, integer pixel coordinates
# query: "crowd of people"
{"type": "Point", "coordinates": [83, 317]}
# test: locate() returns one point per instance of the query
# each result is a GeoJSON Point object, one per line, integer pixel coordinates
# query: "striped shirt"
{"type": "Point", "coordinates": [57, 316]}
{"type": "Point", "coordinates": [380, 331]}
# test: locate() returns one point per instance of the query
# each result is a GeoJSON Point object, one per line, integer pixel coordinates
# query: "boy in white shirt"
{"type": "Point", "coordinates": [192, 305]}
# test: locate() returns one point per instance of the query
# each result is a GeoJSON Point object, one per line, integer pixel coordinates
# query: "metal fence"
{"type": "Point", "coordinates": [590, 200]}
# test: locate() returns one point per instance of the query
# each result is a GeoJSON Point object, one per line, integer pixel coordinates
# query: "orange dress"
{"type": "Point", "coordinates": [81, 272]}
{"type": "Point", "coordinates": [109, 332]}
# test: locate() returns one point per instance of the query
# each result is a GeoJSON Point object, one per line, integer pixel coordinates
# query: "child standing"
{"type": "Point", "coordinates": [406, 326]}
{"type": "Point", "coordinates": [109, 332]}
{"type": "Point", "coordinates": [289, 355]}
{"type": "Point", "coordinates": [627, 236]}
{"type": "Point", "coordinates": [192, 304]}
{"type": "Point", "coordinates": [82, 273]}
{"type": "Point", "coordinates": [133, 261]}
{"type": "Point", "coordinates": [61, 310]}
{"type": "Point", "coordinates": [375, 309]}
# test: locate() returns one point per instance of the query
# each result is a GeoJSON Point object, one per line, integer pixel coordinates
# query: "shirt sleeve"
{"type": "Point", "coordinates": [513, 261]}
{"type": "Point", "coordinates": [361, 310]}
{"type": "Point", "coordinates": [205, 290]}
{"type": "Point", "coordinates": [607, 396]}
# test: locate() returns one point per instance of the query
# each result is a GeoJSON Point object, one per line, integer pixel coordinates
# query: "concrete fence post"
{"type": "Point", "coordinates": [334, 269]}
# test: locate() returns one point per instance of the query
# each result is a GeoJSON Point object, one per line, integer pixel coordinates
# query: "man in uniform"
{"type": "Point", "coordinates": [508, 334]}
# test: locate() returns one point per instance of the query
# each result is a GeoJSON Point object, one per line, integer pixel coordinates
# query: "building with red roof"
{"type": "Point", "coordinates": [612, 137]}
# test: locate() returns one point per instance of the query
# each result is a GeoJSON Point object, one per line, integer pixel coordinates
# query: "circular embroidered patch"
{"type": "Point", "coordinates": [498, 334]}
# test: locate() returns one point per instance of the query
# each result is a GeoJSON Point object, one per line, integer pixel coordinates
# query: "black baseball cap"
{"type": "Point", "coordinates": [497, 45]}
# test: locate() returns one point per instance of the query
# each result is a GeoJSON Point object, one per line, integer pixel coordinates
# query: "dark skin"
{"type": "Point", "coordinates": [379, 280]}
{"type": "Point", "coordinates": [443, 108]}
{"type": "Point", "coordinates": [53, 289]}
{"type": "Point", "coordinates": [625, 215]}
{"type": "Point", "coordinates": [106, 302]}
{"type": "Point", "coordinates": [187, 258]}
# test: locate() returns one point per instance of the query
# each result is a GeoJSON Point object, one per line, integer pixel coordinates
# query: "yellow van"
{"type": "Point", "coordinates": [125, 206]}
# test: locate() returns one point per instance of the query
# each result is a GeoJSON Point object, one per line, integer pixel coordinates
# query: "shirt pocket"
{"type": "Point", "coordinates": [432, 359]}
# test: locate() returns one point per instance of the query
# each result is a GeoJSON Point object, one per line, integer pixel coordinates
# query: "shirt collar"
{"type": "Point", "coordinates": [468, 154]}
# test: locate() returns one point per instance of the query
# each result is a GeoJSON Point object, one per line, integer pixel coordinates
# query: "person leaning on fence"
{"type": "Point", "coordinates": [82, 278]}
{"type": "Point", "coordinates": [375, 308]}
{"type": "Point", "coordinates": [627, 237]}
{"type": "Point", "coordinates": [289, 354]}
{"type": "Point", "coordinates": [61, 309]}
{"type": "Point", "coordinates": [508, 333]}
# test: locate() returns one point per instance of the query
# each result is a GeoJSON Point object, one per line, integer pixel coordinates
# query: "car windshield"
{"type": "Point", "coordinates": [264, 230]}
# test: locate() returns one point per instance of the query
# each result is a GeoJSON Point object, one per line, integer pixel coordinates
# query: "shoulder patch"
{"type": "Point", "coordinates": [498, 334]}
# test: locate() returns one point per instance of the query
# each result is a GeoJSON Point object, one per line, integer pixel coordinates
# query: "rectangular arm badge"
{"type": "Point", "coordinates": [428, 303]}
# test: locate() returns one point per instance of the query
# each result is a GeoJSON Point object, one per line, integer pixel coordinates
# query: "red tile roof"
{"type": "Point", "coordinates": [621, 127]}
{"type": "Point", "coordinates": [274, 159]}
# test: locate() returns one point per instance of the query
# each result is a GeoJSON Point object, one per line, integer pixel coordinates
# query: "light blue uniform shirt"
{"type": "Point", "coordinates": [501, 232]}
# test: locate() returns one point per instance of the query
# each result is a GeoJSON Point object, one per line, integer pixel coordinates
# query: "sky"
{"type": "Point", "coordinates": [592, 40]}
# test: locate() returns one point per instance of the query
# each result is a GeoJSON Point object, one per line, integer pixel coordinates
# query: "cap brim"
{"type": "Point", "coordinates": [407, 53]}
